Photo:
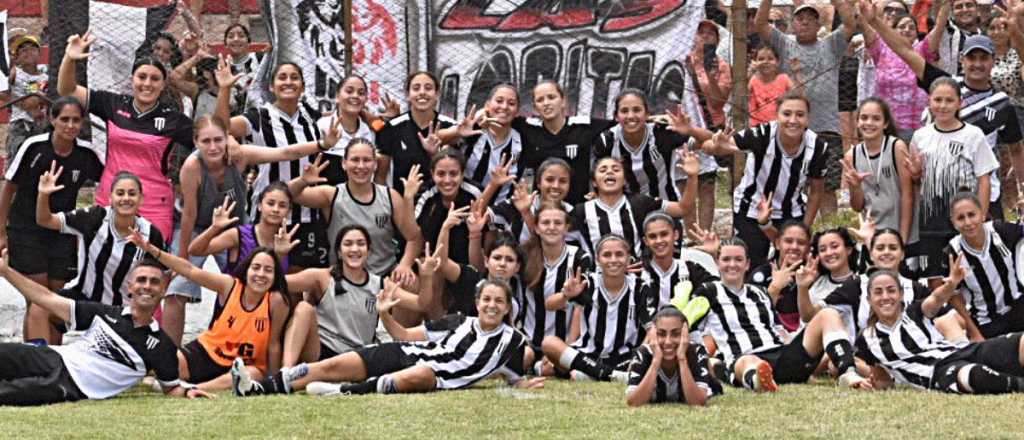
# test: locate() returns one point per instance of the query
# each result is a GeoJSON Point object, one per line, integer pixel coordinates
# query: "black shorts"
{"type": "Point", "coordinates": [326, 352]}
{"type": "Point", "coordinates": [1001, 354]}
{"type": "Point", "coordinates": [386, 358]}
{"type": "Point", "coordinates": [36, 252]}
{"type": "Point", "coordinates": [201, 368]}
{"type": "Point", "coordinates": [1011, 322]}
{"type": "Point", "coordinates": [791, 363]}
{"type": "Point", "coordinates": [33, 375]}
{"type": "Point", "coordinates": [931, 259]}
{"type": "Point", "coordinates": [313, 246]}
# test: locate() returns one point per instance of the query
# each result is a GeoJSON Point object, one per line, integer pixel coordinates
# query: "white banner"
{"type": "Point", "coordinates": [5, 58]}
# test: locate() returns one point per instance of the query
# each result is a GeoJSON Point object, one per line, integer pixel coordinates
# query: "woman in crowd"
{"type": "Point", "coordinates": [777, 277]}
{"type": "Point", "coordinates": [350, 103]}
{"type": "Point", "coordinates": [449, 191]}
{"type": "Point", "coordinates": [243, 61]}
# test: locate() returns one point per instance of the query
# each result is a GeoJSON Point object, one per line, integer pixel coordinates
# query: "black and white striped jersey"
{"type": "Point", "coordinates": [614, 323]}
{"type": "Point", "coordinates": [594, 219]}
{"type": "Point", "coordinates": [990, 286]}
{"type": "Point", "coordinates": [650, 167]}
{"type": "Point", "coordinates": [662, 282]}
{"type": "Point", "coordinates": [851, 300]}
{"type": "Point", "coordinates": [770, 170]}
{"type": "Point", "coordinates": [741, 322]}
{"type": "Point", "coordinates": [908, 350]}
{"type": "Point", "coordinates": [670, 388]}
{"type": "Point", "coordinates": [104, 257]}
{"type": "Point", "coordinates": [537, 321]}
{"type": "Point", "coordinates": [484, 154]}
{"type": "Point", "coordinates": [461, 353]}
{"type": "Point", "coordinates": [269, 126]}
{"type": "Point", "coordinates": [573, 143]}
{"type": "Point", "coordinates": [504, 217]}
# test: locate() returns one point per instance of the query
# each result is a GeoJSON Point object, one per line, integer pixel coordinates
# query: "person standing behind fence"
{"type": "Point", "coordinates": [767, 85]}
{"type": "Point", "coordinates": [819, 61]}
{"type": "Point", "coordinates": [27, 78]}
{"type": "Point", "coordinates": [244, 63]}
{"type": "Point", "coordinates": [965, 23]}
{"type": "Point", "coordinates": [141, 130]}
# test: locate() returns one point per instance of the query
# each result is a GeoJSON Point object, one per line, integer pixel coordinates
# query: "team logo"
{"type": "Point", "coordinates": [371, 305]}
{"type": "Point", "coordinates": [382, 220]}
{"type": "Point", "coordinates": [159, 123]}
{"type": "Point", "coordinates": [956, 147]}
{"type": "Point", "coordinates": [151, 342]}
{"type": "Point", "coordinates": [990, 113]}
{"type": "Point", "coordinates": [887, 172]}
{"type": "Point", "coordinates": [261, 324]}
{"type": "Point", "coordinates": [571, 150]}
{"type": "Point", "coordinates": [75, 174]}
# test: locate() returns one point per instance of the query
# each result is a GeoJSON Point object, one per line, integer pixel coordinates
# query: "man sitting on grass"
{"type": "Point", "coordinates": [119, 346]}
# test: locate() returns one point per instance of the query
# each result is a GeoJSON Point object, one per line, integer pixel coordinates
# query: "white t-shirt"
{"type": "Point", "coordinates": [364, 131]}
{"type": "Point", "coordinates": [26, 84]}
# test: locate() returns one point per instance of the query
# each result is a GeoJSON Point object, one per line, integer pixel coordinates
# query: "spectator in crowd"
{"type": "Point", "coordinates": [712, 74]}
{"type": "Point", "coordinates": [243, 62]}
{"type": "Point", "coordinates": [965, 23]}
{"type": "Point", "coordinates": [819, 61]}
{"type": "Point", "coordinates": [27, 77]}
{"type": "Point", "coordinates": [777, 18]}
{"type": "Point", "coordinates": [1008, 38]}
{"type": "Point", "coordinates": [768, 84]}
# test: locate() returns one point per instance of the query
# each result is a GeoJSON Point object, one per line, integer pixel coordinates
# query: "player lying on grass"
{"type": "Point", "coordinates": [671, 369]}
{"type": "Point", "coordinates": [903, 346]}
{"type": "Point", "coordinates": [119, 346]}
{"type": "Point", "coordinates": [453, 352]}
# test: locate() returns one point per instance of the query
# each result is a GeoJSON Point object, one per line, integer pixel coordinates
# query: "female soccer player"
{"type": "Point", "coordinates": [671, 368]}
{"type": "Point", "coordinates": [45, 256]}
{"type": "Point", "coordinates": [105, 253]}
{"type": "Point", "coordinates": [648, 150]}
{"type": "Point", "coordinates": [240, 241]}
{"type": "Point", "coordinates": [141, 129]}
{"type": "Point", "coordinates": [450, 353]}
{"type": "Point", "coordinates": [615, 212]}
{"type": "Point", "coordinates": [335, 317]}
{"type": "Point", "coordinates": [450, 191]}
{"type": "Point", "coordinates": [990, 252]}
{"type": "Point", "coordinates": [926, 360]}
{"type": "Point", "coordinates": [552, 186]}
{"type": "Point", "coordinates": [777, 277]}
{"type": "Point", "coordinates": [288, 120]}
{"type": "Point", "coordinates": [832, 263]}
{"type": "Point", "coordinates": [663, 271]}
{"type": "Point", "coordinates": [248, 321]}
{"type": "Point", "coordinates": [784, 158]}
{"type": "Point", "coordinates": [876, 172]}
{"type": "Point", "coordinates": [404, 140]}
{"type": "Point", "coordinates": [382, 210]}
{"type": "Point", "coordinates": [350, 103]}
{"type": "Point", "coordinates": [615, 316]}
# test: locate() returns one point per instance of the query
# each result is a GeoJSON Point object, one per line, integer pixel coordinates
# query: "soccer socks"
{"type": "Point", "coordinates": [984, 380]}
{"type": "Point", "coordinates": [381, 385]}
{"type": "Point", "coordinates": [839, 349]}
{"type": "Point", "coordinates": [572, 359]}
{"type": "Point", "coordinates": [749, 380]}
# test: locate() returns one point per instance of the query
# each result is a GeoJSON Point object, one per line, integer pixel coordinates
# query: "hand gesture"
{"type": "Point", "coordinates": [48, 181]}
{"type": "Point", "coordinates": [721, 141]}
{"type": "Point", "coordinates": [225, 79]}
{"type": "Point", "coordinates": [957, 270]}
{"type": "Point", "coordinates": [412, 183]}
{"type": "Point", "coordinates": [709, 241]}
{"type": "Point", "coordinates": [684, 346]}
{"type": "Point", "coordinates": [764, 209]}
{"type": "Point", "coordinates": [658, 354]}
{"type": "Point", "coordinates": [431, 262]}
{"type": "Point", "coordinates": [387, 298]}
{"type": "Point", "coordinates": [333, 134]}
{"type": "Point", "coordinates": [808, 273]}
{"type": "Point", "coordinates": [679, 121]}
{"type": "Point", "coordinates": [283, 243]}
{"type": "Point", "coordinates": [431, 142]}
{"type": "Point", "coordinates": [455, 216]}
{"type": "Point", "coordinates": [138, 240]}
{"type": "Point", "coordinates": [467, 126]}
{"type": "Point", "coordinates": [853, 177]}
{"type": "Point", "coordinates": [782, 275]}
{"type": "Point", "coordinates": [688, 162]}
{"type": "Point", "coordinates": [311, 174]}
{"type": "Point", "coordinates": [867, 10]}
{"type": "Point", "coordinates": [522, 198]}
{"type": "Point", "coordinates": [478, 218]}
{"type": "Point", "coordinates": [575, 285]}
{"type": "Point", "coordinates": [531, 383]}
{"type": "Point", "coordinates": [500, 175]}
{"type": "Point", "coordinates": [222, 218]}
{"type": "Point", "coordinates": [404, 276]}
{"type": "Point", "coordinates": [865, 229]}
{"type": "Point", "coordinates": [391, 107]}
{"type": "Point", "coordinates": [78, 46]}
{"type": "Point", "coordinates": [914, 162]}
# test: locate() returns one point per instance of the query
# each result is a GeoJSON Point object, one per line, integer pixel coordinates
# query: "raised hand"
{"type": "Point", "coordinates": [957, 270]}
{"type": "Point", "coordinates": [865, 229]}
{"type": "Point", "coordinates": [721, 141]}
{"type": "Point", "coordinates": [412, 183]}
{"type": "Point", "coordinates": [311, 174]}
{"type": "Point", "coordinates": [709, 241]}
{"type": "Point", "coordinates": [679, 121]}
{"type": "Point", "coordinates": [575, 285]}
{"type": "Point", "coordinates": [138, 240]}
{"type": "Point", "coordinates": [853, 177]}
{"type": "Point", "coordinates": [500, 175]}
{"type": "Point", "coordinates": [283, 243]}
{"type": "Point", "coordinates": [387, 299]}
{"type": "Point", "coordinates": [867, 10]}
{"type": "Point", "coordinates": [764, 209]}
{"type": "Point", "coordinates": [333, 134]}
{"type": "Point", "coordinates": [689, 162]}
{"type": "Point", "coordinates": [455, 216]}
{"type": "Point", "coordinates": [431, 143]}
{"type": "Point", "coordinates": [478, 216]}
{"type": "Point", "coordinates": [431, 262]}
{"type": "Point", "coordinates": [807, 274]}
{"type": "Point", "coordinates": [782, 275]}
{"type": "Point", "coordinates": [48, 181]}
{"type": "Point", "coordinates": [391, 107]}
{"type": "Point", "coordinates": [914, 162]}
{"type": "Point", "coordinates": [467, 126]}
{"type": "Point", "coordinates": [522, 198]}
{"type": "Point", "coordinates": [225, 79]}
{"type": "Point", "coordinates": [78, 46]}
{"type": "Point", "coordinates": [222, 218]}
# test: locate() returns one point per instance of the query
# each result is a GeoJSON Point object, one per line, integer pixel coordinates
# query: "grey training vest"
{"type": "Point", "coordinates": [375, 216]}
{"type": "Point", "coordinates": [347, 319]}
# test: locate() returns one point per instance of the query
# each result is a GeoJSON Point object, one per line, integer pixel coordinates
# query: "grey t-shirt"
{"type": "Point", "coordinates": [820, 70]}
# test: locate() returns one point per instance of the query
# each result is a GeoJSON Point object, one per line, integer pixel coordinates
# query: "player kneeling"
{"type": "Point", "coordinates": [453, 352]}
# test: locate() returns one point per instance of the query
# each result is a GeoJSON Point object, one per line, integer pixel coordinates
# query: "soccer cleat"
{"type": "Point", "coordinates": [323, 389]}
{"type": "Point", "coordinates": [695, 310]}
{"type": "Point", "coordinates": [619, 376]}
{"type": "Point", "coordinates": [579, 376]}
{"type": "Point", "coordinates": [763, 380]}
{"type": "Point", "coordinates": [850, 379]}
{"type": "Point", "coordinates": [681, 294]}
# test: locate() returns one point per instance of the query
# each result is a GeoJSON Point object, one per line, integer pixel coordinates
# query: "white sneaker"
{"type": "Point", "coordinates": [241, 381]}
{"type": "Point", "coordinates": [579, 376]}
{"type": "Point", "coordinates": [323, 389]}
{"type": "Point", "coordinates": [619, 376]}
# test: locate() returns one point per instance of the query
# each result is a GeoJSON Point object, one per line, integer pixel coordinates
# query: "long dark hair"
{"type": "Point", "coordinates": [336, 270]}
{"type": "Point", "coordinates": [891, 129]}
{"type": "Point", "coordinates": [875, 274]}
{"type": "Point", "coordinates": [505, 239]}
{"type": "Point", "coordinates": [534, 251]}
{"type": "Point", "coordinates": [504, 286]}
{"type": "Point", "coordinates": [279, 285]}
{"type": "Point", "coordinates": [847, 239]}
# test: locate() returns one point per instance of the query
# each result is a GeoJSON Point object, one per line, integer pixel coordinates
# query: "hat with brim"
{"type": "Point", "coordinates": [803, 8]}
{"type": "Point", "coordinates": [978, 42]}
{"type": "Point", "coordinates": [23, 40]}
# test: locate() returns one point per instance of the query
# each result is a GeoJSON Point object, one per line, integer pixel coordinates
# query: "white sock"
{"type": "Point", "coordinates": [569, 355]}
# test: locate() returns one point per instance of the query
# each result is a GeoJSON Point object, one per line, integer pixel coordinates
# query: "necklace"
{"type": "Point", "coordinates": [877, 171]}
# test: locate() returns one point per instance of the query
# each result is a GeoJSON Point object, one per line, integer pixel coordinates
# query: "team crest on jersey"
{"type": "Point", "coordinates": [371, 305]}
{"type": "Point", "coordinates": [571, 151]}
{"type": "Point", "coordinates": [382, 220]}
{"type": "Point", "coordinates": [151, 342]}
{"type": "Point", "coordinates": [956, 147]}
{"type": "Point", "coordinates": [990, 113]}
{"type": "Point", "coordinates": [260, 324]}
{"type": "Point", "coordinates": [887, 172]}
{"type": "Point", "coordinates": [159, 123]}
{"type": "Point", "coordinates": [75, 174]}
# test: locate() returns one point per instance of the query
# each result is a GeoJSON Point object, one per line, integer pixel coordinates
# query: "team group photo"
{"type": "Point", "coordinates": [514, 218]}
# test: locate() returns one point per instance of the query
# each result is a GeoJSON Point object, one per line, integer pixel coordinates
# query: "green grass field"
{"type": "Point", "coordinates": [562, 409]}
